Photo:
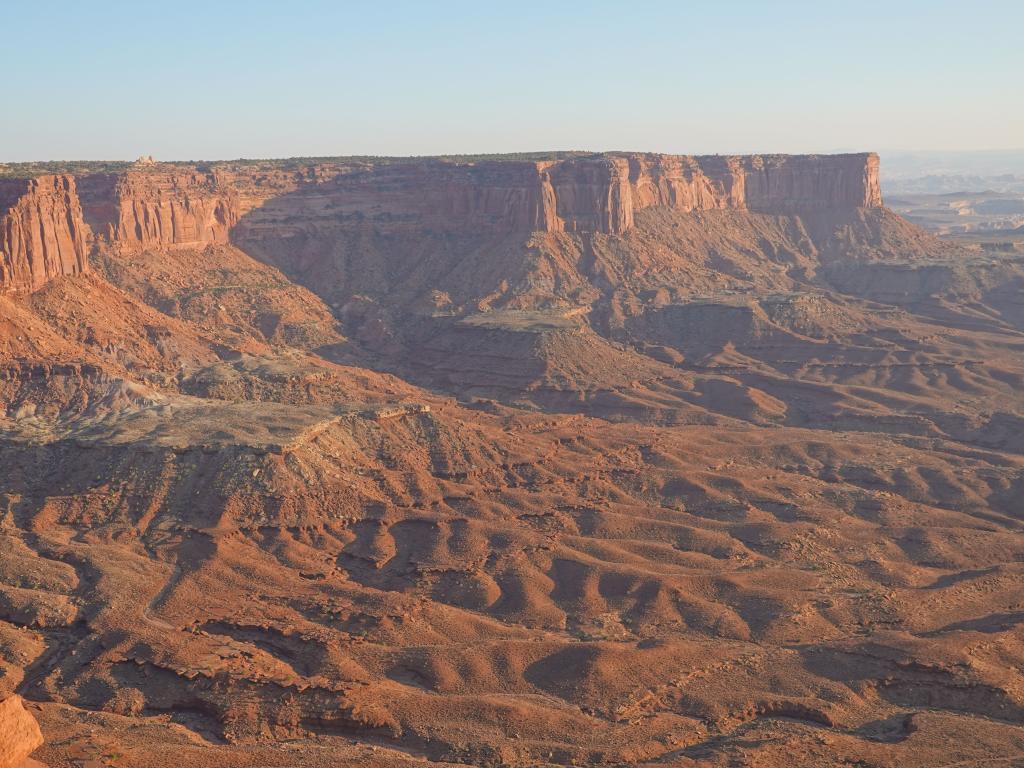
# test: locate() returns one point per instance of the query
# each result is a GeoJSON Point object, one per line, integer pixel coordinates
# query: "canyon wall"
{"type": "Point", "coordinates": [165, 205]}
{"type": "Point", "coordinates": [42, 232]}
{"type": "Point", "coordinates": [160, 205]}
{"type": "Point", "coordinates": [604, 194]}
{"type": "Point", "coordinates": [802, 183]}
{"type": "Point", "coordinates": [600, 193]}
{"type": "Point", "coordinates": [46, 228]}
{"type": "Point", "coordinates": [153, 207]}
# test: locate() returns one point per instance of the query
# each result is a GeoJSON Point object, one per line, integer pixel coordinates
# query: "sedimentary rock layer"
{"type": "Point", "coordinates": [597, 193]}
{"type": "Point", "coordinates": [45, 227]}
{"type": "Point", "coordinates": [603, 194]}
{"type": "Point", "coordinates": [42, 233]}
{"type": "Point", "coordinates": [160, 205]}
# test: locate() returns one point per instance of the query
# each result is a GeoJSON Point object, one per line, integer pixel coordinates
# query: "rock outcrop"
{"type": "Point", "coordinates": [19, 733]}
{"type": "Point", "coordinates": [159, 205]}
{"type": "Point", "coordinates": [155, 206]}
{"type": "Point", "coordinates": [603, 194]}
{"type": "Point", "coordinates": [163, 205]}
{"type": "Point", "coordinates": [48, 220]}
{"type": "Point", "coordinates": [42, 232]}
{"type": "Point", "coordinates": [599, 193]}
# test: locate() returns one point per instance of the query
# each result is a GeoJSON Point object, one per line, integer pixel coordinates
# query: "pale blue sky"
{"type": "Point", "coordinates": [204, 80]}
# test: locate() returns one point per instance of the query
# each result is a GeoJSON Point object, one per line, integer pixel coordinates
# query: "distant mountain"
{"type": "Point", "coordinates": [947, 172]}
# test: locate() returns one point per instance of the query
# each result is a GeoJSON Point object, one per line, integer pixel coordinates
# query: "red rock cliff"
{"type": "Point", "coordinates": [163, 205]}
{"type": "Point", "coordinates": [603, 194]}
{"type": "Point", "coordinates": [42, 232]}
{"type": "Point", "coordinates": [599, 193]}
{"type": "Point", "coordinates": [158, 207]}
{"type": "Point", "coordinates": [45, 229]}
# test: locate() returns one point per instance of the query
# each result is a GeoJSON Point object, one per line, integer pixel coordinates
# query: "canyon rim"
{"type": "Point", "coordinates": [552, 459]}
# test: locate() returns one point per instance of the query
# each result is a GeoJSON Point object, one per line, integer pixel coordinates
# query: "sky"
{"type": "Point", "coordinates": [221, 80]}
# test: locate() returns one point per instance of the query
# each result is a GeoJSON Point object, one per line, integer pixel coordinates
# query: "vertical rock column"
{"type": "Point", "coordinates": [42, 232]}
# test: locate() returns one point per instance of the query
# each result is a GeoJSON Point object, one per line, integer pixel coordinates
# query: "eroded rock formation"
{"type": "Point", "coordinates": [600, 193]}
{"type": "Point", "coordinates": [591, 460]}
{"type": "Point", "coordinates": [151, 206]}
{"type": "Point", "coordinates": [604, 194]}
{"type": "Point", "coordinates": [159, 205]}
{"type": "Point", "coordinates": [42, 233]}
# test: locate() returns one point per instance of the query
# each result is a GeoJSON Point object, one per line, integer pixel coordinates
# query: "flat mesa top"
{"type": "Point", "coordinates": [24, 170]}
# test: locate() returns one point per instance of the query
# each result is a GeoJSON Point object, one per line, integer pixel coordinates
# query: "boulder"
{"type": "Point", "coordinates": [19, 734]}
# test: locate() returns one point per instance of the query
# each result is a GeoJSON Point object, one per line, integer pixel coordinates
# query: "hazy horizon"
{"type": "Point", "coordinates": [1017, 154]}
{"type": "Point", "coordinates": [402, 79]}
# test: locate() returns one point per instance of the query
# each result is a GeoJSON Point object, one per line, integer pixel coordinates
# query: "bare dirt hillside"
{"type": "Point", "coordinates": [582, 460]}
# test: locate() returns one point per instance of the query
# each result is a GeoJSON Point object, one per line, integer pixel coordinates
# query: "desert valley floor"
{"type": "Point", "coordinates": [549, 460]}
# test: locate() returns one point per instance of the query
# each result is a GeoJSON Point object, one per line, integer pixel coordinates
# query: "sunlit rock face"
{"type": "Point", "coordinates": [42, 233]}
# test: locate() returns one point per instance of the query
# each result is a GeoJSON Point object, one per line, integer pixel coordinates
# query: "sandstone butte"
{"type": "Point", "coordinates": [19, 734]}
{"type": "Point", "coordinates": [48, 221]}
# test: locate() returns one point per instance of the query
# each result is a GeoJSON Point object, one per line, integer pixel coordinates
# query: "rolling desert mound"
{"type": "Point", "coordinates": [548, 460]}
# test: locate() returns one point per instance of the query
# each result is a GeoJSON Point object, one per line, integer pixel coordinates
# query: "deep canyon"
{"type": "Point", "coordinates": [536, 460]}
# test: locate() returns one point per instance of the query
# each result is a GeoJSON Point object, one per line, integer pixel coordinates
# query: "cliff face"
{"type": "Point", "coordinates": [160, 207]}
{"type": "Point", "coordinates": [42, 232]}
{"type": "Point", "coordinates": [167, 205]}
{"type": "Point", "coordinates": [587, 194]}
{"type": "Point", "coordinates": [802, 183]}
{"type": "Point", "coordinates": [603, 194]}
{"type": "Point", "coordinates": [45, 230]}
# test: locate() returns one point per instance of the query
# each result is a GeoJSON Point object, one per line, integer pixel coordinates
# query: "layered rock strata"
{"type": "Point", "coordinates": [42, 232]}
{"type": "Point", "coordinates": [47, 221]}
